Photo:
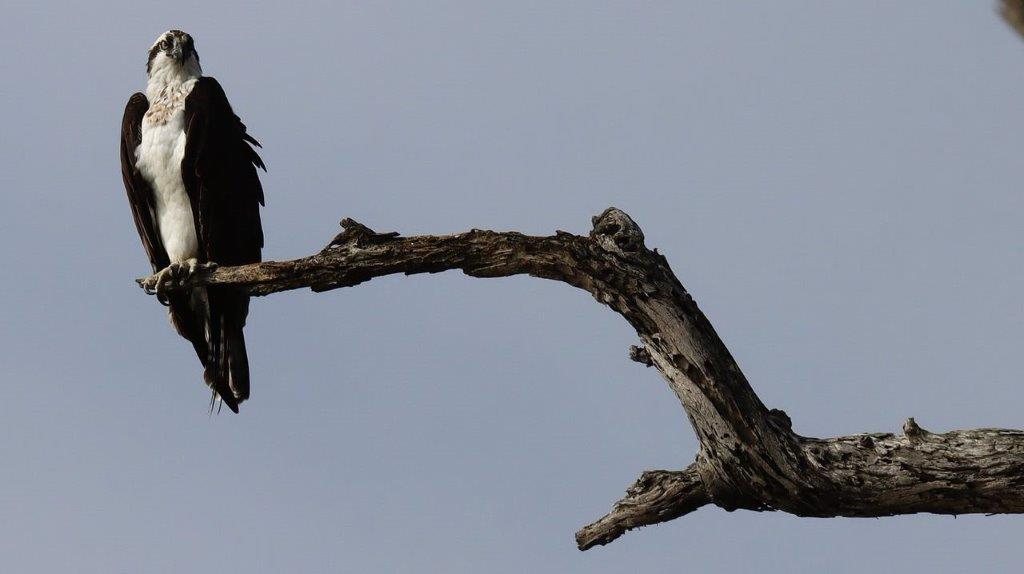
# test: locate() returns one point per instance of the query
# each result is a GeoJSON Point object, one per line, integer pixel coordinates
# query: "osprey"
{"type": "Point", "coordinates": [195, 195]}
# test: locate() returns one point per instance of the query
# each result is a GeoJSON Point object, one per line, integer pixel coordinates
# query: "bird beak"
{"type": "Point", "coordinates": [177, 53]}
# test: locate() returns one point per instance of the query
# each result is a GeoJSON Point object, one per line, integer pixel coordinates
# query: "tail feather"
{"type": "Point", "coordinates": [226, 362]}
{"type": "Point", "coordinates": [213, 319]}
{"type": "Point", "coordinates": [238, 363]}
{"type": "Point", "coordinates": [216, 381]}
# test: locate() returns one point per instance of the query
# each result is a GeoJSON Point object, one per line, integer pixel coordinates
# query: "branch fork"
{"type": "Point", "coordinates": [749, 456]}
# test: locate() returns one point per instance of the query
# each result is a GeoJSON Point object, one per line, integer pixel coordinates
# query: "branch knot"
{"type": "Point", "coordinates": [781, 418]}
{"type": "Point", "coordinates": [358, 235]}
{"type": "Point", "coordinates": [615, 231]}
{"type": "Point", "coordinates": [641, 355]}
{"type": "Point", "coordinates": [912, 430]}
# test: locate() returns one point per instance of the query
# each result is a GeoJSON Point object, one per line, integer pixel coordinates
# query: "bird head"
{"type": "Point", "coordinates": [174, 52]}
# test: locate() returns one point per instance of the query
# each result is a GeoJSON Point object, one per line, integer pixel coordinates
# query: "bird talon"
{"type": "Point", "coordinates": [161, 279]}
{"type": "Point", "coordinates": [174, 276]}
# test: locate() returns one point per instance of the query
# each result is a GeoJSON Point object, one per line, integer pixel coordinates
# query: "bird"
{"type": "Point", "coordinates": [190, 170]}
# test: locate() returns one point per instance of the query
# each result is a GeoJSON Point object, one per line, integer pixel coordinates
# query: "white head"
{"type": "Point", "coordinates": [173, 57]}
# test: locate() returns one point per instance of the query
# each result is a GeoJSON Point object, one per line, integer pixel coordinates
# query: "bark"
{"type": "Point", "coordinates": [1012, 12]}
{"type": "Point", "coordinates": [749, 456]}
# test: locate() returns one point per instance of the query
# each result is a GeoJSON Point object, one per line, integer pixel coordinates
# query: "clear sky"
{"type": "Point", "coordinates": [837, 183]}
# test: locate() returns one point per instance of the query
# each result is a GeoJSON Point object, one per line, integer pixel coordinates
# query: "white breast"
{"type": "Point", "coordinates": [159, 158]}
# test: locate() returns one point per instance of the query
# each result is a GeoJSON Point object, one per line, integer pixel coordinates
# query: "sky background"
{"type": "Point", "coordinates": [837, 183]}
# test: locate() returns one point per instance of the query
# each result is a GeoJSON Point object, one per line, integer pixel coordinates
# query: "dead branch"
{"type": "Point", "coordinates": [749, 456]}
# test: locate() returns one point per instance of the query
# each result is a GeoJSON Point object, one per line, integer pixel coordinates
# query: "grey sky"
{"type": "Point", "coordinates": [837, 183]}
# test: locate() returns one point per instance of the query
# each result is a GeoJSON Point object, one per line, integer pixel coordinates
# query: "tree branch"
{"type": "Point", "coordinates": [1012, 12]}
{"type": "Point", "coordinates": [749, 456]}
{"type": "Point", "coordinates": [657, 496]}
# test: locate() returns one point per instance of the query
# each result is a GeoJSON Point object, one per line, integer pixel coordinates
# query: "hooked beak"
{"type": "Point", "coordinates": [178, 50]}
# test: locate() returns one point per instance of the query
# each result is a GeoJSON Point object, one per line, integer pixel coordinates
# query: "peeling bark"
{"type": "Point", "coordinates": [749, 456]}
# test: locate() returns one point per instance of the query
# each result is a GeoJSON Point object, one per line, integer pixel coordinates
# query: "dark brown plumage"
{"type": "Point", "coordinates": [220, 177]}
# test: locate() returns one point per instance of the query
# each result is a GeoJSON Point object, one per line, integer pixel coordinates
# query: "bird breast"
{"type": "Point", "coordinates": [159, 157]}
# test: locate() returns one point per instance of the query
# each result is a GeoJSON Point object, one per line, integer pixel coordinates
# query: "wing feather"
{"type": "Point", "coordinates": [140, 196]}
{"type": "Point", "coordinates": [219, 172]}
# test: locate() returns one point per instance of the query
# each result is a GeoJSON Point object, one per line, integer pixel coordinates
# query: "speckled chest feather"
{"type": "Point", "coordinates": [159, 157]}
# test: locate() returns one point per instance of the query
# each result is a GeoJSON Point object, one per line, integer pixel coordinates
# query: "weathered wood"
{"type": "Point", "coordinates": [657, 496]}
{"type": "Point", "coordinates": [749, 456]}
{"type": "Point", "coordinates": [1012, 12]}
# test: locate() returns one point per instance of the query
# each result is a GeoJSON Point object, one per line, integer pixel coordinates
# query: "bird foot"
{"type": "Point", "coordinates": [174, 275]}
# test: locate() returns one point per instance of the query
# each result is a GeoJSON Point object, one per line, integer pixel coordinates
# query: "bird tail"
{"type": "Point", "coordinates": [227, 364]}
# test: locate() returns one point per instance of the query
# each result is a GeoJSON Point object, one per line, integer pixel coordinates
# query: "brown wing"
{"type": "Point", "coordinates": [140, 196]}
{"type": "Point", "coordinates": [219, 172]}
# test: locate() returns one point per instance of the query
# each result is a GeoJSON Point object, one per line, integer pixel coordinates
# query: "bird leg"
{"type": "Point", "coordinates": [192, 266]}
{"type": "Point", "coordinates": [175, 275]}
